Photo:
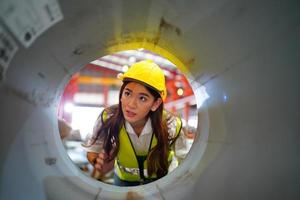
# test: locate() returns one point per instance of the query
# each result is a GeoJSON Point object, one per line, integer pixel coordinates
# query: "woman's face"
{"type": "Point", "coordinates": [137, 102]}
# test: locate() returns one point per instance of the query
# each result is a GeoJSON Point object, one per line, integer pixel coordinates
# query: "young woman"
{"type": "Point", "coordinates": [137, 137]}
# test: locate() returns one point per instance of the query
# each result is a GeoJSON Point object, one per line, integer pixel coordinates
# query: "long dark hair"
{"type": "Point", "coordinates": [109, 133]}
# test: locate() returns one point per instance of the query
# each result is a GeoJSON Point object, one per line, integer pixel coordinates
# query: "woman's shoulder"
{"type": "Point", "coordinates": [169, 116]}
{"type": "Point", "coordinates": [104, 115]}
{"type": "Point", "coordinates": [172, 121]}
{"type": "Point", "coordinates": [108, 112]}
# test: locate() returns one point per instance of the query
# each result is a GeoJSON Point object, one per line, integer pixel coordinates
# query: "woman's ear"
{"type": "Point", "coordinates": [156, 104]}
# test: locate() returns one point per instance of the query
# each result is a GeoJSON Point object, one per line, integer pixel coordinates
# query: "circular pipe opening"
{"type": "Point", "coordinates": [189, 169]}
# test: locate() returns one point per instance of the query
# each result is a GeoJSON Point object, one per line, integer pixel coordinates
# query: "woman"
{"type": "Point", "coordinates": [137, 136]}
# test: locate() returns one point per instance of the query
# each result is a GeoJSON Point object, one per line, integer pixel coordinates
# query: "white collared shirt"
{"type": "Point", "coordinates": [140, 143]}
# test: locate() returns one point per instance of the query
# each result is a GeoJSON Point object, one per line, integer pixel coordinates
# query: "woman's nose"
{"type": "Point", "coordinates": [132, 102]}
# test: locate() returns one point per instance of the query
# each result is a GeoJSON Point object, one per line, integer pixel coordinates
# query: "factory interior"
{"type": "Point", "coordinates": [232, 75]}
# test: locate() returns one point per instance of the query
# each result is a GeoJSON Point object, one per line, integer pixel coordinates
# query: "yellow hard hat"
{"type": "Point", "coordinates": [147, 72]}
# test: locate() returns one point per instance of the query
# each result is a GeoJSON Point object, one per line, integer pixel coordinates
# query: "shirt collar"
{"type": "Point", "coordinates": [146, 130]}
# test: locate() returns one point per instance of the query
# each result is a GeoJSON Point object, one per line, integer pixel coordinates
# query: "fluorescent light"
{"type": "Point", "coordinates": [180, 91]}
{"type": "Point", "coordinates": [132, 59]}
{"type": "Point", "coordinates": [125, 68]}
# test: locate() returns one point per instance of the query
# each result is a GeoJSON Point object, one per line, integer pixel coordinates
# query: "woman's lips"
{"type": "Point", "coordinates": [130, 114]}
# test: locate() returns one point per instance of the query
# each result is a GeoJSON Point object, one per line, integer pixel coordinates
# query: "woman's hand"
{"type": "Point", "coordinates": [98, 160]}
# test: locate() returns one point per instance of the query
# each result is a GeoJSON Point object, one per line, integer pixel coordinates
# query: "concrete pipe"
{"type": "Point", "coordinates": [246, 54]}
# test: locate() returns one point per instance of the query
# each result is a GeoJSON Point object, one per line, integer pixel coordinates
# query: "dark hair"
{"type": "Point", "coordinates": [109, 132]}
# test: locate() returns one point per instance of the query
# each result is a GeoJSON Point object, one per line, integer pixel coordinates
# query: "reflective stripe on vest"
{"type": "Point", "coordinates": [136, 171]}
{"type": "Point", "coordinates": [133, 171]}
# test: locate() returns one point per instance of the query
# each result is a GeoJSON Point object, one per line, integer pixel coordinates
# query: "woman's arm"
{"type": "Point", "coordinates": [95, 152]}
{"type": "Point", "coordinates": [179, 143]}
{"type": "Point", "coordinates": [98, 160]}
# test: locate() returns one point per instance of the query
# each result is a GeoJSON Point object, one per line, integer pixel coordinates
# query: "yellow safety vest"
{"type": "Point", "coordinates": [126, 163]}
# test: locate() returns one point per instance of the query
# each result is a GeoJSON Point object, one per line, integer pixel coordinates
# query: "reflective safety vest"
{"type": "Point", "coordinates": [132, 167]}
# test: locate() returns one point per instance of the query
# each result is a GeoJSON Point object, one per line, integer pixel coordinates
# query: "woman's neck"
{"type": "Point", "coordinates": [138, 126]}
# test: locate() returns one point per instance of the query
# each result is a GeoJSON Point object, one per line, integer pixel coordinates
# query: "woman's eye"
{"type": "Point", "coordinates": [143, 99]}
{"type": "Point", "coordinates": [126, 93]}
